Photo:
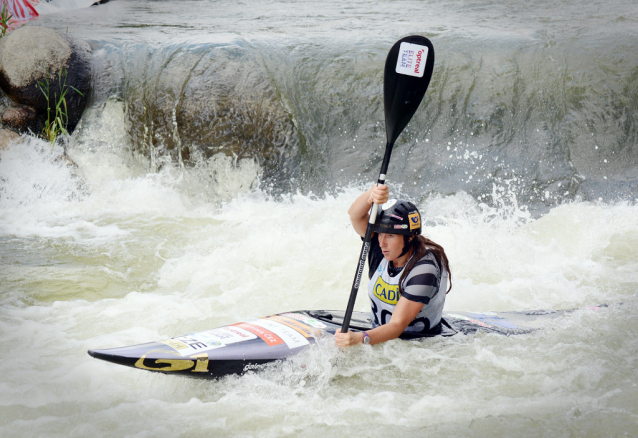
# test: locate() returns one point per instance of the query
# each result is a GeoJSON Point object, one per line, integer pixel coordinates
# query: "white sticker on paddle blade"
{"type": "Point", "coordinates": [412, 59]}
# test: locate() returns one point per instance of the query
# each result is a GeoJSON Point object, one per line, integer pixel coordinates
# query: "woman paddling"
{"type": "Point", "coordinates": [408, 272]}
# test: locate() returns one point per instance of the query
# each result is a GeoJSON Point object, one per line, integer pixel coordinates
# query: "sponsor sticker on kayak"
{"type": "Point", "coordinates": [291, 337]}
{"type": "Point", "coordinates": [225, 335]}
{"type": "Point", "coordinates": [305, 319]}
{"type": "Point", "coordinates": [411, 60]}
{"type": "Point", "coordinates": [208, 340]}
{"type": "Point", "coordinates": [266, 335]}
{"type": "Point", "coordinates": [187, 345]}
{"type": "Point", "coordinates": [305, 330]}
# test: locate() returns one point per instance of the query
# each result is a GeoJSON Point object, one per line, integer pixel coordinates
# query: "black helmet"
{"type": "Point", "coordinates": [398, 217]}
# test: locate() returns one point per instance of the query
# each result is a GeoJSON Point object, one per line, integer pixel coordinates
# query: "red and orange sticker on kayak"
{"type": "Point", "coordinates": [266, 335]}
{"type": "Point", "coordinates": [302, 328]}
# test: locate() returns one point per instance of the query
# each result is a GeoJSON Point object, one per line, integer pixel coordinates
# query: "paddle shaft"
{"type": "Point", "coordinates": [408, 69]}
{"type": "Point", "coordinates": [365, 248]}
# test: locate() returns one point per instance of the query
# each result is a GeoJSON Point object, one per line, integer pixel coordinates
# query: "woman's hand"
{"type": "Point", "coordinates": [348, 339]}
{"type": "Point", "coordinates": [379, 194]}
{"type": "Point", "coordinates": [405, 312]}
{"type": "Point", "coordinates": [359, 211]}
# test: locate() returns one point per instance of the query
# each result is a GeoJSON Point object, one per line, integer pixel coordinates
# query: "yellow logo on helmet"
{"type": "Point", "coordinates": [415, 220]}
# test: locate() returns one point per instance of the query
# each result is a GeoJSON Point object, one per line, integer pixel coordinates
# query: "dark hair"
{"type": "Point", "coordinates": [420, 245]}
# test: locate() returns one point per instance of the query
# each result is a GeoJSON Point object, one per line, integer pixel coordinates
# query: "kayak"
{"type": "Point", "coordinates": [244, 346]}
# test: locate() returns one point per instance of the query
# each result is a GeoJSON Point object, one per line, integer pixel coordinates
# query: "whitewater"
{"type": "Point", "coordinates": [208, 183]}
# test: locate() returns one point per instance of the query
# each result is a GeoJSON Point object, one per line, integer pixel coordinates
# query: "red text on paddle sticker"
{"type": "Point", "coordinates": [411, 59]}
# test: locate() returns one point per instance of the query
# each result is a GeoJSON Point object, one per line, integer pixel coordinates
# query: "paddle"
{"type": "Point", "coordinates": [408, 70]}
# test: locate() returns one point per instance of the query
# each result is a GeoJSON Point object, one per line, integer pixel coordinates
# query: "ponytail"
{"type": "Point", "coordinates": [420, 246]}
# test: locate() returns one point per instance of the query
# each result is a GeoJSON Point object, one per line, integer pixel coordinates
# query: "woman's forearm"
{"type": "Point", "coordinates": [405, 311]}
{"type": "Point", "coordinates": [359, 212]}
{"type": "Point", "coordinates": [378, 335]}
{"type": "Point", "coordinates": [385, 332]}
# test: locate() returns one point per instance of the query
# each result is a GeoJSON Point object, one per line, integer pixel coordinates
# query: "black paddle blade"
{"type": "Point", "coordinates": [408, 70]}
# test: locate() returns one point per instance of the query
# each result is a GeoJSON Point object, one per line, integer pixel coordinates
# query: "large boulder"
{"type": "Point", "coordinates": [6, 137]}
{"type": "Point", "coordinates": [21, 118]}
{"type": "Point", "coordinates": [32, 56]}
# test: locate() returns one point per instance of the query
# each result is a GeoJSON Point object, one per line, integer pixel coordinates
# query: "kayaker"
{"type": "Point", "coordinates": [408, 272]}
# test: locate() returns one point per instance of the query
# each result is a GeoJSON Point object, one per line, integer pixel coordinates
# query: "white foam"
{"type": "Point", "coordinates": [106, 255]}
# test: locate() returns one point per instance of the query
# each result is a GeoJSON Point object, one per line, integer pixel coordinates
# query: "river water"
{"type": "Point", "coordinates": [221, 148]}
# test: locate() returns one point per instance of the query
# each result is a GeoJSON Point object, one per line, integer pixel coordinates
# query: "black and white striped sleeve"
{"type": "Point", "coordinates": [423, 281]}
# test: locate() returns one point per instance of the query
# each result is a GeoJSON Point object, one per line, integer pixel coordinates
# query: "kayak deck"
{"type": "Point", "coordinates": [237, 348]}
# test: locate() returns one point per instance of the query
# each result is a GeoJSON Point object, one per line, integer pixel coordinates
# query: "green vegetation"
{"type": "Point", "coordinates": [57, 117]}
{"type": "Point", "coordinates": [4, 19]}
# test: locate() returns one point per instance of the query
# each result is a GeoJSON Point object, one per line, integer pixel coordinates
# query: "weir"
{"type": "Point", "coordinates": [528, 111]}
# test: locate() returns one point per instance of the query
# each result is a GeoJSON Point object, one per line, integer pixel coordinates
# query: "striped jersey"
{"type": "Point", "coordinates": [426, 283]}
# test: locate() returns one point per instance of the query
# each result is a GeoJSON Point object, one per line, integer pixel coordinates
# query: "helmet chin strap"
{"type": "Point", "coordinates": [406, 245]}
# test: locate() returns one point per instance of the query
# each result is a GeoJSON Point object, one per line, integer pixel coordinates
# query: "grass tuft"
{"type": "Point", "coordinates": [57, 114]}
{"type": "Point", "coordinates": [4, 19]}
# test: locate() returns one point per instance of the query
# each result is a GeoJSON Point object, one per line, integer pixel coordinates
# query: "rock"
{"type": "Point", "coordinates": [21, 118]}
{"type": "Point", "coordinates": [7, 137]}
{"type": "Point", "coordinates": [32, 56]}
